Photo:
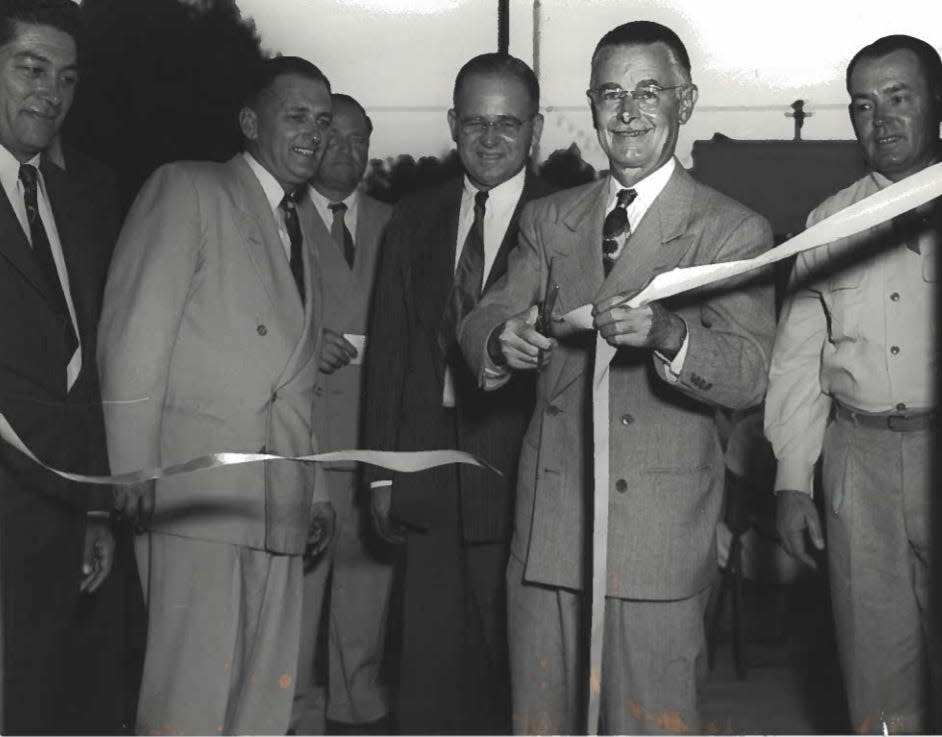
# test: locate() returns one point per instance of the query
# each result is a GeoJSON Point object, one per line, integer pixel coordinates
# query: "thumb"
{"type": "Point", "coordinates": [814, 531]}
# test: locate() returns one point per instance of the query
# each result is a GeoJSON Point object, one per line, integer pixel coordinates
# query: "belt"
{"type": "Point", "coordinates": [913, 422]}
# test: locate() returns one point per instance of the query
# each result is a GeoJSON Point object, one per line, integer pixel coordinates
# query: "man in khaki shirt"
{"type": "Point", "coordinates": [851, 380]}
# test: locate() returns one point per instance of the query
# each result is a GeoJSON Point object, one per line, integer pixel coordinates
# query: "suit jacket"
{"type": "Point", "coordinates": [347, 293]}
{"type": "Point", "coordinates": [666, 461]}
{"type": "Point", "coordinates": [42, 517]}
{"type": "Point", "coordinates": [206, 347]}
{"type": "Point", "coordinates": [406, 369]}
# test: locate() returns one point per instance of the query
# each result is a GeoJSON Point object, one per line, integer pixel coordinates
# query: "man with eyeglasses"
{"type": "Point", "coordinates": [676, 363]}
{"type": "Point", "coordinates": [208, 342]}
{"type": "Point", "coordinates": [442, 249]}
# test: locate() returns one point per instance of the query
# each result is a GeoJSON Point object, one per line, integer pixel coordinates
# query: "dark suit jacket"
{"type": "Point", "coordinates": [406, 367]}
{"type": "Point", "coordinates": [42, 517]}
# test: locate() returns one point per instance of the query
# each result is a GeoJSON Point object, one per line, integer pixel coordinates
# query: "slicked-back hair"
{"type": "Point", "coordinates": [341, 97]}
{"type": "Point", "coordinates": [268, 70]}
{"type": "Point", "coordinates": [643, 32]}
{"type": "Point", "coordinates": [928, 57]}
{"type": "Point", "coordinates": [63, 15]}
{"type": "Point", "coordinates": [494, 64]}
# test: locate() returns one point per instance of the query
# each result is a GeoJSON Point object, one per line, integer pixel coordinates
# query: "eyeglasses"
{"type": "Point", "coordinates": [647, 98]}
{"type": "Point", "coordinates": [505, 126]}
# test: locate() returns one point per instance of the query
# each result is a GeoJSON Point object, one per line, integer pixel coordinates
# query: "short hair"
{"type": "Point", "coordinates": [341, 97]}
{"type": "Point", "coordinates": [497, 64]}
{"type": "Point", "coordinates": [642, 32]}
{"type": "Point", "coordinates": [268, 70]}
{"type": "Point", "coordinates": [928, 59]}
{"type": "Point", "coordinates": [63, 15]}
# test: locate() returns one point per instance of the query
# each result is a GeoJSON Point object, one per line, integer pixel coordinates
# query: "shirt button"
{"type": "Point", "coordinates": [553, 410]}
{"type": "Point", "coordinates": [895, 296]}
{"type": "Point", "coordinates": [627, 419]}
{"type": "Point", "coordinates": [901, 407]}
{"type": "Point", "coordinates": [894, 349]}
{"type": "Point", "coordinates": [261, 330]}
{"type": "Point", "coordinates": [621, 486]}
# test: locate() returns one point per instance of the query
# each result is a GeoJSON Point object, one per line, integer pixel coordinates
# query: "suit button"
{"type": "Point", "coordinates": [894, 349]}
{"type": "Point", "coordinates": [627, 419]}
{"type": "Point", "coordinates": [621, 486]}
{"type": "Point", "coordinates": [901, 407]}
{"type": "Point", "coordinates": [261, 330]}
{"type": "Point", "coordinates": [553, 410]}
{"type": "Point", "coordinates": [895, 296]}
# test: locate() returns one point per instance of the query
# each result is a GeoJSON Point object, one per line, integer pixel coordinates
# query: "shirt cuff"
{"type": "Point", "coordinates": [794, 475]}
{"type": "Point", "coordinates": [98, 514]}
{"type": "Point", "coordinates": [673, 367]}
{"type": "Point", "coordinates": [380, 483]}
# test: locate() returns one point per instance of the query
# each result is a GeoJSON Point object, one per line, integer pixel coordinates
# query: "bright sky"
{"type": "Point", "coordinates": [750, 58]}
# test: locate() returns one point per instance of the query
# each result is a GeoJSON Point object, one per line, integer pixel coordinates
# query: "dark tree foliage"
{"type": "Point", "coordinates": [161, 81]}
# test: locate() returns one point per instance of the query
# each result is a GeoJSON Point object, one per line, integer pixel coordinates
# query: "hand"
{"type": "Point", "coordinates": [522, 346]}
{"type": "Point", "coordinates": [336, 352]}
{"type": "Point", "coordinates": [98, 556]}
{"type": "Point", "coordinates": [136, 501]}
{"type": "Point", "coordinates": [320, 531]}
{"type": "Point", "coordinates": [650, 326]}
{"type": "Point", "coordinates": [380, 506]}
{"type": "Point", "coordinates": [795, 512]}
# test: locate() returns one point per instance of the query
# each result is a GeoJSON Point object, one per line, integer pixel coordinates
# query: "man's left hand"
{"type": "Point", "coordinates": [321, 530]}
{"type": "Point", "coordinates": [650, 326]}
{"type": "Point", "coordinates": [98, 556]}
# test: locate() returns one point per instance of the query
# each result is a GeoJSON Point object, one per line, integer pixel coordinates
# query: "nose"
{"type": "Point", "coordinates": [489, 136]}
{"type": "Point", "coordinates": [51, 90]}
{"type": "Point", "coordinates": [627, 108]}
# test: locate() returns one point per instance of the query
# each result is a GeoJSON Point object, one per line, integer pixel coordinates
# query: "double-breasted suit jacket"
{"type": "Point", "coordinates": [205, 346]}
{"type": "Point", "coordinates": [666, 462]}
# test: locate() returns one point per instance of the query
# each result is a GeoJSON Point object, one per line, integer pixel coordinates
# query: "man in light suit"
{"type": "Point", "coordinates": [55, 235]}
{"type": "Point", "coordinates": [442, 249]}
{"type": "Point", "coordinates": [346, 238]}
{"type": "Point", "coordinates": [208, 342]}
{"type": "Point", "coordinates": [676, 363]}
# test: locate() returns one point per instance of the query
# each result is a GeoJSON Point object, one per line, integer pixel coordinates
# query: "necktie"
{"type": "Point", "coordinates": [43, 252]}
{"type": "Point", "coordinates": [616, 224]}
{"type": "Point", "coordinates": [340, 231]}
{"type": "Point", "coordinates": [288, 206]}
{"type": "Point", "coordinates": [469, 277]}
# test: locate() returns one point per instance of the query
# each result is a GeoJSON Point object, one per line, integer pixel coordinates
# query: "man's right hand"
{"type": "Point", "coordinates": [380, 506]}
{"type": "Point", "coordinates": [522, 346]}
{"type": "Point", "coordinates": [136, 502]}
{"type": "Point", "coordinates": [336, 352]}
{"type": "Point", "coordinates": [794, 515]}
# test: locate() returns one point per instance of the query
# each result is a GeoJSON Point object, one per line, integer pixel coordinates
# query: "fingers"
{"type": "Point", "coordinates": [98, 558]}
{"type": "Point", "coordinates": [814, 531]}
{"type": "Point", "coordinates": [622, 325]}
{"type": "Point", "coordinates": [336, 352]}
{"type": "Point", "coordinates": [524, 347]}
{"type": "Point", "coordinates": [380, 506]}
{"type": "Point", "coordinates": [797, 516]}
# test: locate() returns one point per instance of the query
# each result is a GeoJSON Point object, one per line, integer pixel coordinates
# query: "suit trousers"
{"type": "Point", "coordinates": [360, 581]}
{"type": "Point", "coordinates": [454, 675]}
{"type": "Point", "coordinates": [652, 663]}
{"type": "Point", "coordinates": [222, 639]}
{"type": "Point", "coordinates": [877, 488]}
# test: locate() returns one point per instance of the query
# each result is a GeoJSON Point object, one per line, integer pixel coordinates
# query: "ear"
{"type": "Point", "coordinates": [453, 125]}
{"type": "Point", "coordinates": [595, 123]}
{"type": "Point", "coordinates": [688, 99]}
{"type": "Point", "coordinates": [248, 122]}
{"type": "Point", "coordinates": [537, 131]}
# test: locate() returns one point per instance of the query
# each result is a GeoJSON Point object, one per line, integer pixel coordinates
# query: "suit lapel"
{"type": "Point", "coordinates": [15, 248]}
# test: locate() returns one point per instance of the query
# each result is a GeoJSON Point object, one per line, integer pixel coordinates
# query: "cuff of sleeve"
{"type": "Point", "coordinates": [795, 476]}
{"type": "Point", "coordinates": [673, 367]}
{"type": "Point", "coordinates": [380, 483]}
{"type": "Point", "coordinates": [98, 514]}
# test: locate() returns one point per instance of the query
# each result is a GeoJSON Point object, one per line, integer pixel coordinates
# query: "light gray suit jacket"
{"type": "Point", "coordinates": [347, 293]}
{"type": "Point", "coordinates": [205, 345]}
{"type": "Point", "coordinates": [666, 463]}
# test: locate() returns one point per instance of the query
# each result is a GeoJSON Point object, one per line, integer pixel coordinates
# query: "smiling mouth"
{"type": "Point", "coordinates": [632, 133]}
{"type": "Point", "coordinates": [888, 140]}
{"type": "Point", "coordinates": [303, 151]}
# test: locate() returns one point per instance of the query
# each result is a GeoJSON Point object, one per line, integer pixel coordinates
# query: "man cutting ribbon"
{"type": "Point", "coordinates": [675, 363]}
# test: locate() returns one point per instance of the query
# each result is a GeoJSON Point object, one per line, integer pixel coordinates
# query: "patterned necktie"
{"type": "Point", "coordinates": [43, 252]}
{"type": "Point", "coordinates": [616, 225]}
{"type": "Point", "coordinates": [288, 206]}
{"type": "Point", "coordinates": [340, 231]}
{"type": "Point", "coordinates": [469, 277]}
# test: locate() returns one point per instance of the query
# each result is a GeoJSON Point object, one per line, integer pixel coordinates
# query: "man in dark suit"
{"type": "Point", "coordinates": [675, 363]}
{"type": "Point", "coordinates": [51, 233]}
{"type": "Point", "coordinates": [443, 248]}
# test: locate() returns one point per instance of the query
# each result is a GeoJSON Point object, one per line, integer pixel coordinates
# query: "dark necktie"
{"type": "Point", "coordinates": [469, 277]}
{"type": "Point", "coordinates": [289, 208]}
{"type": "Point", "coordinates": [43, 252]}
{"type": "Point", "coordinates": [340, 231]}
{"type": "Point", "coordinates": [616, 225]}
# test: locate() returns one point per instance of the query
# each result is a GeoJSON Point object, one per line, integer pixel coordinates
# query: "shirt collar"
{"type": "Point", "coordinates": [648, 188]}
{"type": "Point", "coordinates": [503, 193]}
{"type": "Point", "coordinates": [274, 192]}
{"type": "Point", "coordinates": [350, 200]}
{"type": "Point", "coordinates": [10, 169]}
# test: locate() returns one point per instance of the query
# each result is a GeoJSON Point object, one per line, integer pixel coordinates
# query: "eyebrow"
{"type": "Point", "coordinates": [34, 56]}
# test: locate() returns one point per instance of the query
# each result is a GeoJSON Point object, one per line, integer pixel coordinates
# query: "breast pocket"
{"type": "Point", "coordinates": [846, 304]}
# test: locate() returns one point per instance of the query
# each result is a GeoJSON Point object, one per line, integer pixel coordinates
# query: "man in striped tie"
{"type": "Point", "coordinates": [676, 362]}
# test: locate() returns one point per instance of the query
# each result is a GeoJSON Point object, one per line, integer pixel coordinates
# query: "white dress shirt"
{"type": "Point", "coordinates": [322, 204]}
{"type": "Point", "coordinates": [274, 193]}
{"type": "Point", "coordinates": [10, 179]}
